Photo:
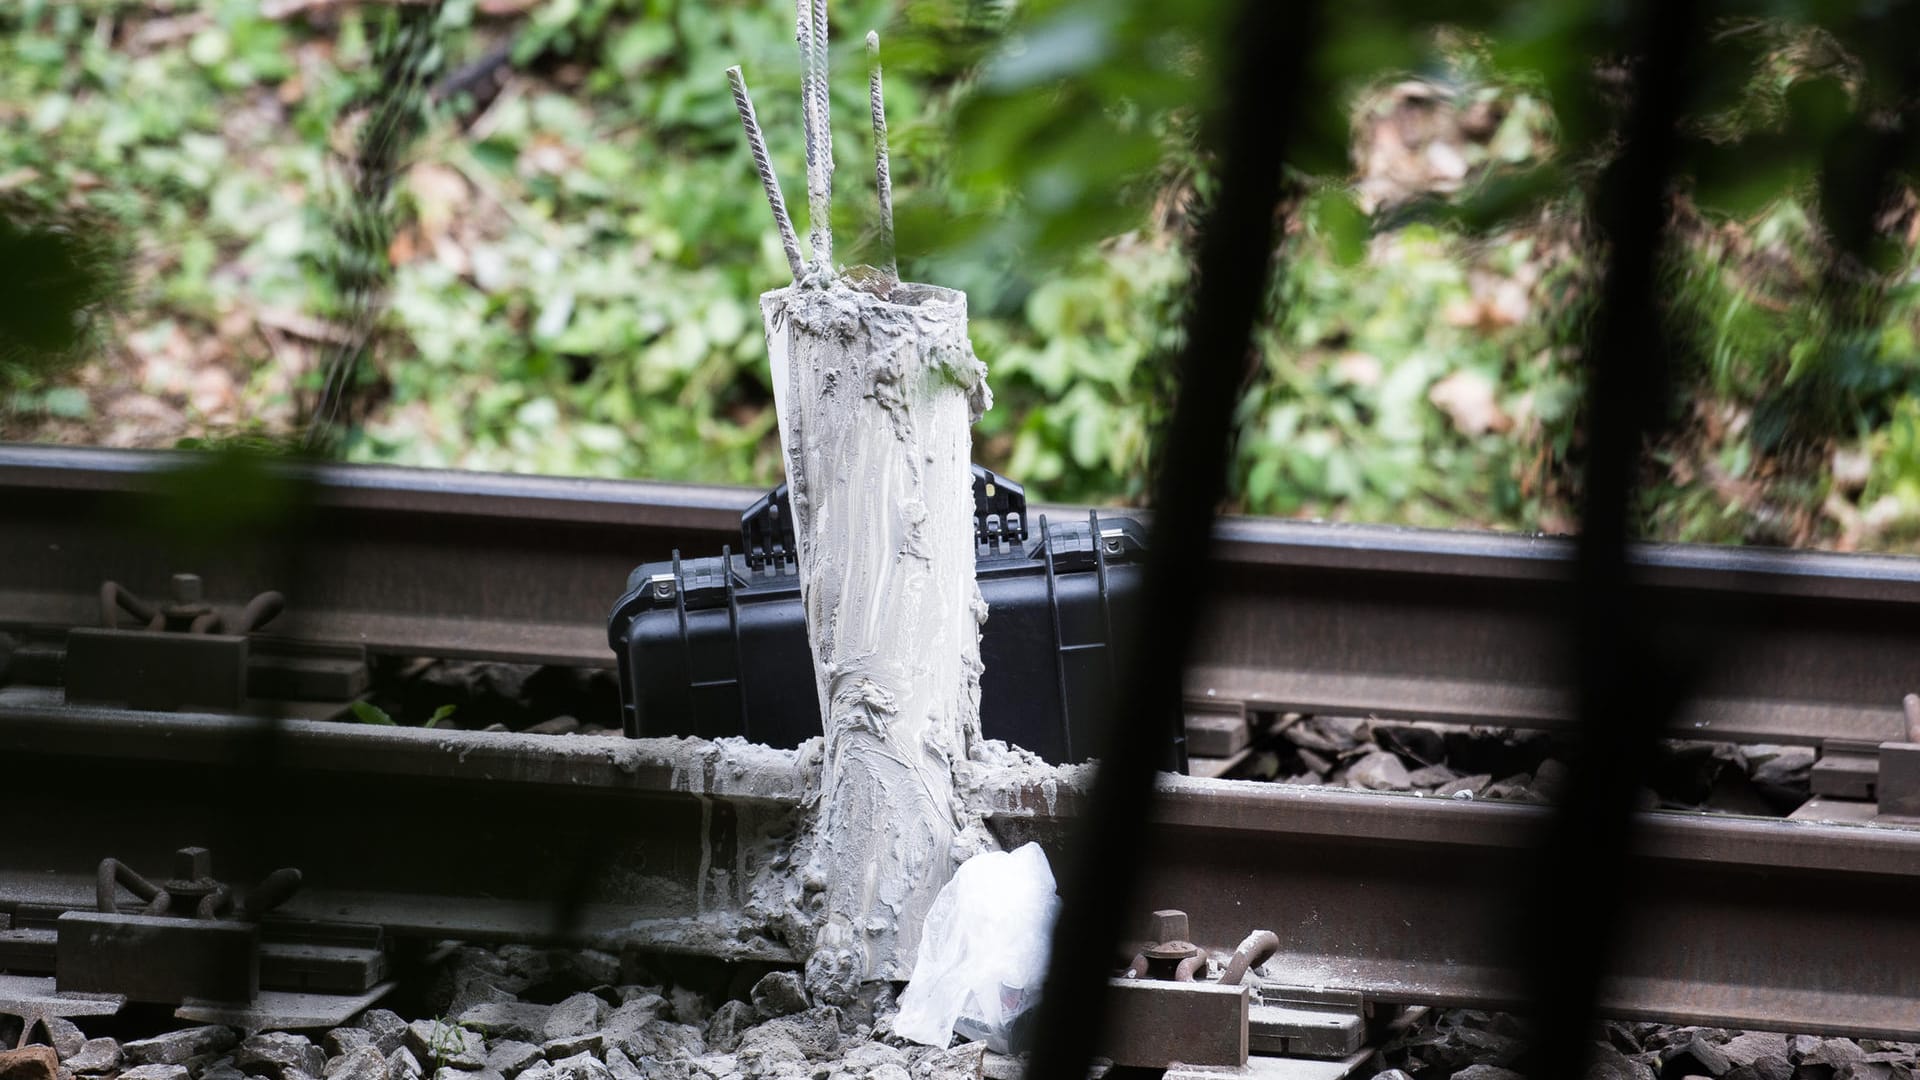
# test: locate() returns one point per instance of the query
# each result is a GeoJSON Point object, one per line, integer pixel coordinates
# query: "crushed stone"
{"type": "Point", "coordinates": [669, 1029]}
{"type": "Point", "coordinates": [1468, 1044]}
{"type": "Point", "coordinates": [1517, 765]}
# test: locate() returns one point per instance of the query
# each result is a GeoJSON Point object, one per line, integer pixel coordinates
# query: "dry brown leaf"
{"type": "Point", "coordinates": [303, 325]}
{"type": "Point", "coordinates": [1507, 306]}
{"type": "Point", "coordinates": [450, 254]}
{"type": "Point", "coordinates": [547, 156]}
{"type": "Point", "coordinates": [1852, 467]}
{"type": "Point", "coordinates": [234, 324]}
{"type": "Point", "coordinates": [211, 391]}
{"type": "Point", "coordinates": [157, 33]}
{"type": "Point", "coordinates": [1462, 313]}
{"type": "Point", "coordinates": [1467, 397]}
{"type": "Point", "coordinates": [1847, 516]}
{"type": "Point", "coordinates": [440, 195]}
{"type": "Point", "coordinates": [404, 248]}
{"type": "Point", "coordinates": [1357, 369]}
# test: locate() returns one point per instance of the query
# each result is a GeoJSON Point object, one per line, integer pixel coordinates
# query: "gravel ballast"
{"type": "Point", "coordinates": [764, 1026]}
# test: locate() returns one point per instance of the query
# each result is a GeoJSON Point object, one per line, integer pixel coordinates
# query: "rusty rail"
{"type": "Point", "coordinates": [408, 561]}
{"type": "Point", "coordinates": [1744, 922]}
{"type": "Point", "coordinates": [1308, 617]}
{"type": "Point", "coordinates": [481, 836]}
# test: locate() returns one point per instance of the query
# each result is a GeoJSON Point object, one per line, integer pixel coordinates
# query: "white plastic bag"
{"type": "Point", "coordinates": [983, 951]}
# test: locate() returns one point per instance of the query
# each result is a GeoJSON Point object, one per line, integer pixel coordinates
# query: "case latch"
{"type": "Point", "coordinates": [999, 522]}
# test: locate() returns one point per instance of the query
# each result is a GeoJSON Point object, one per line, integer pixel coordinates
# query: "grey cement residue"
{"type": "Point", "coordinates": [876, 388]}
{"type": "Point", "coordinates": [765, 901]}
{"type": "Point", "coordinates": [876, 397]}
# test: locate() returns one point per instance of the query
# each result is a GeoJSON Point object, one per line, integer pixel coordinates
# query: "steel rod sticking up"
{"type": "Point", "coordinates": [856, 382]}
{"type": "Point", "coordinates": [882, 180]}
{"type": "Point", "coordinates": [810, 30]}
{"type": "Point", "coordinates": [789, 240]}
{"type": "Point", "coordinates": [803, 36]}
{"type": "Point", "coordinates": [810, 19]}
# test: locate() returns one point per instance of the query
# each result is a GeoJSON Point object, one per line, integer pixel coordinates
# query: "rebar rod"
{"type": "Point", "coordinates": [789, 240]}
{"type": "Point", "coordinates": [883, 180]}
{"type": "Point", "coordinates": [810, 28]}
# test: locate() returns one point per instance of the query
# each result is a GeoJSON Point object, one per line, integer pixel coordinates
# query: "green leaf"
{"type": "Point", "coordinates": [1067, 44]}
{"type": "Point", "coordinates": [1818, 107]}
{"type": "Point", "coordinates": [67, 403]}
{"type": "Point", "coordinates": [540, 414]}
{"type": "Point", "coordinates": [640, 45]}
{"type": "Point", "coordinates": [1340, 220]}
{"type": "Point", "coordinates": [369, 713]}
{"type": "Point", "coordinates": [439, 714]}
{"type": "Point", "coordinates": [1087, 437]}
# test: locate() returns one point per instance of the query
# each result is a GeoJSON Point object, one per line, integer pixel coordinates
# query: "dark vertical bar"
{"type": "Point", "coordinates": [1108, 644]}
{"type": "Point", "coordinates": [1059, 644]}
{"type": "Point", "coordinates": [1863, 157]}
{"type": "Point", "coordinates": [686, 640]}
{"type": "Point", "coordinates": [1264, 66]}
{"type": "Point", "coordinates": [1626, 691]}
{"type": "Point", "coordinates": [733, 630]}
{"type": "Point", "coordinates": [1857, 175]}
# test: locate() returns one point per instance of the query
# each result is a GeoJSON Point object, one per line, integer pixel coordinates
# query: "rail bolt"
{"type": "Point", "coordinates": [192, 864]}
{"type": "Point", "coordinates": [187, 589]}
{"type": "Point", "coordinates": [1169, 924]}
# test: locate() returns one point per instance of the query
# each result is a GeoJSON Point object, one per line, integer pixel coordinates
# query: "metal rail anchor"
{"type": "Point", "coordinates": [181, 654]}
{"type": "Point", "coordinates": [1168, 1014]}
{"type": "Point", "coordinates": [1160, 1015]}
{"type": "Point", "coordinates": [187, 942]}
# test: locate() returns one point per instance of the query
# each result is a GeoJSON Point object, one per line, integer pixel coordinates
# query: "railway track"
{"type": "Point", "coordinates": [661, 844]}
{"type": "Point", "coordinates": [672, 844]}
{"type": "Point", "coordinates": [1810, 648]}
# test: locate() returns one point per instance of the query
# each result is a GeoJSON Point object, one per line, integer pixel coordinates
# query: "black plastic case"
{"type": "Point", "coordinates": [718, 646]}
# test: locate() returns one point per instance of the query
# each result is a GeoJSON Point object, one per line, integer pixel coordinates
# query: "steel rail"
{"type": "Point", "coordinates": [476, 835]}
{"type": "Point", "coordinates": [1739, 922]}
{"type": "Point", "coordinates": [1310, 617]}
{"type": "Point", "coordinates": [1765, 924]}
{"type": "Point", "coordinates": [410, 561]}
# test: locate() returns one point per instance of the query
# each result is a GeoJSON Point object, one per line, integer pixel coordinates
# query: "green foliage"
{"type": "Point", "coordinates": [65, 271]}
{"type": "Point", "coordinates": [574, 264]}
{"type": "Point", "coordinates": [1074, 400]}
{"type": "Point", "coordinates": [227, 496]}
{"type": "Point", "coordinates": [606, 324]}
{"type": "Point", "coordinates": [368, 713]}
{"type": "Point", "coordinates": [1383, 395]}
{"type": "Point", "coordinates": [1777, 342]}
{"type": "Point", "coordinates": [447, 1041]}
